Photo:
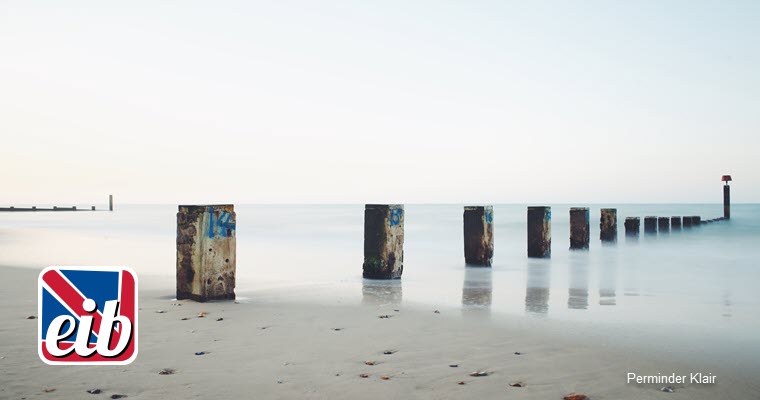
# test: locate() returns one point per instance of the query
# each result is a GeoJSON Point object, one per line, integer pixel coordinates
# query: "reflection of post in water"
{"type": "Point", "coordinates": [537, 287]}
{"type": "Point", "coordinates": [727, 303]}
{"type": "Point", "coordinates": [379, 292]}
{"type": "Point", "coordinates": [478, 287]}
{"type": "Point", "coordinates": [578, 285]}
{"type": "Point", "coordinates": [608, 279]}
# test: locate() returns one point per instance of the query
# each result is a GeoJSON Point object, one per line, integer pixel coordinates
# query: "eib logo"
{"type": "Point", "coordinates": [87, 315]}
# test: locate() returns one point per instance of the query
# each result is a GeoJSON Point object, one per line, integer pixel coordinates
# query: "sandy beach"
{"type": "Point", "coordinates": [273, 345]}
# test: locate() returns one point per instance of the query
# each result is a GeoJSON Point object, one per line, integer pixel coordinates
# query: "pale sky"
{"type": "Point", "coordinates": [379, 101]}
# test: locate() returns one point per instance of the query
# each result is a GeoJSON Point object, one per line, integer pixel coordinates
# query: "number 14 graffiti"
{"type": "Point", "coordinates": [224, 224]}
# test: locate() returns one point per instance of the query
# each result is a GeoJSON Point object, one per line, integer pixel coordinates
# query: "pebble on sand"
{"type": "Point", "coordinates": [454, 365]}
{"type": "Point", "coordinates": [94, 391]}
{"type": "Point", "coordinates": [31, 317]}
{"type": "Point", "coordinates": [479, 373]}
{"type": "Point", "coordinates": [385, 377]}
{"type": "Point", "coordinates": [369, 363]}
{"type": "Point", "coordinates": [363, 375]}
{"type": "Point", "coordinates": [389, 352]}
{"type": "Point", "coordinates": [201, 353]}
{"type": "Point", "coordinates": [575, 397]}
{"type": "Point", "coordinates": [118, 396]}
{"type": "Point", "coordinates": [668, 389]}
{"type": "Point", "coordinates": [517, 384]}
{"type": "Point", "coordinates": [461, 383]}
{"type": "Point", "coordinates": [201, 314]}
{"type": "Point", "coordinates": [384, 316]}
{"type": "Point", "coordinates": [219, 319]}
{"type": "Point", "coordinates": [167, 371]}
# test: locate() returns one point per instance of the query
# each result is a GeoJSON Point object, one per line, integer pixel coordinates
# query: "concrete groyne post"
{"type": "Point", "coordinates": [650, 225]}
{"type": "Point", "coordinates": [608, 225]}
{"type": "Point", "coordinates": [478, 235]}
{"type": "Point", "coordinates": [726, 197]}
{"type": "Point", "coordinates": [696, 220]}
{"type": "Point", "coordinates": [579, 228]}
{"type": "Point", "coordinates": [110, 202]}
{"type": "Point", "coordinates": [687, 221]}
{"type": "Point", "coordinates": [675, 223]}
{"type": "Point", "coordinates": [663, 224]}
{"type": "Point", "coordinates": [539, 232]}
{"type": "Point", "coordinates": [632, 225]}
{"type": "Point", "coordinates": [383, 241]}
{"type": "Point", "coordinates": [206, 263]}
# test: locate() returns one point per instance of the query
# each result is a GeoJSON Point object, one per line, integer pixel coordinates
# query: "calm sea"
{"type": "Point", "coordinates": [693, 289]}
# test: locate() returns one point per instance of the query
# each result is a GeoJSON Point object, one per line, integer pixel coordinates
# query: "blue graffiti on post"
{"type": "Point", "coordinates": [396, 215]}
{"type": "Point", "coordinates": [489, 216]}
{"type": "Point", "coordinates": [223, 222]}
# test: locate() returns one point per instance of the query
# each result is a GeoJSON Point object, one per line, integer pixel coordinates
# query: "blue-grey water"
{"type": "Point", "coordinates": [693, 291]}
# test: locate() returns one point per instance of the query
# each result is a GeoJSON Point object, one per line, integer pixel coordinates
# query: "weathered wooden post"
{"type": "Point", "coordinates": [608, 225]}
{"type": "Point", "coordinates": [663, 224]}
{"type": "Point", "coordinates": [579, 228]}
{"type": "Point", "coordinates": [687, 221]}
{"type": "Point", "coordinates": [540, 232]}
{"type": "Point", "coordinates": [696, 220]}
{"type": "Point", "coordinates": [93, 208]}
{"type": "Point", "coordinates": [675, 223]}
{"type": "Point", "coordinates": [383, 241]}
{"type": "Point", "coordinates": [478, 235]}
{"type": "Point", "coordinates": [110, 202]}
{"type": "Point", "coordinates": [206, 252]}
{"type": "Point", "coordinates": [632, 225]}
{"type": "Point", "coordinates": [726, 197]}
{"type": "Point", "coordinates": [650, 225]}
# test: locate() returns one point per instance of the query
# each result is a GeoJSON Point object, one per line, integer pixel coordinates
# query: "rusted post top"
{"type": "Point", "coordinates": [205, 206]}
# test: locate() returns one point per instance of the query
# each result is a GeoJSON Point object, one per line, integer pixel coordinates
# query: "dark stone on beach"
{"type": "Point", "coordinates": [118, 396]}
{"type": "Point", "coordinates": [384, 316]}
{"type": "Point", "coordinates": [200, 353]}
{"type": "Point", "coordinates": [388, 352]}
{"type": "Point", "coordinates": [31, 317]}
{"type": "Point", "coordinates": [479, 373]}
{"type": "Point", "coordinates": [436, 312]}
{"type": "Point", "coordinates": [184, 319]}
{"type": "Point", "coordinates": [575, 397]}
{"type": "Point", "coordinates": [337, 329]}
{"type": "Point", "coordinates": [219, 319]}
{"type": "Point", "coordinates": [517, 384]}
{"type": "Point", "coordinates": [454, 365]}
{"type": "Point", "coordinates": [667, 389]}
{"type": "Point", "coordinates": [94, 391]}
{"type": "Point", "coordinates": [517, 353]}
{"type": "Point", "coordinates": [167, 371]}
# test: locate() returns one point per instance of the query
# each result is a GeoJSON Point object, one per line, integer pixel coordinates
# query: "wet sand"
{"type": "Point", "coordinates": [275, 345]}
